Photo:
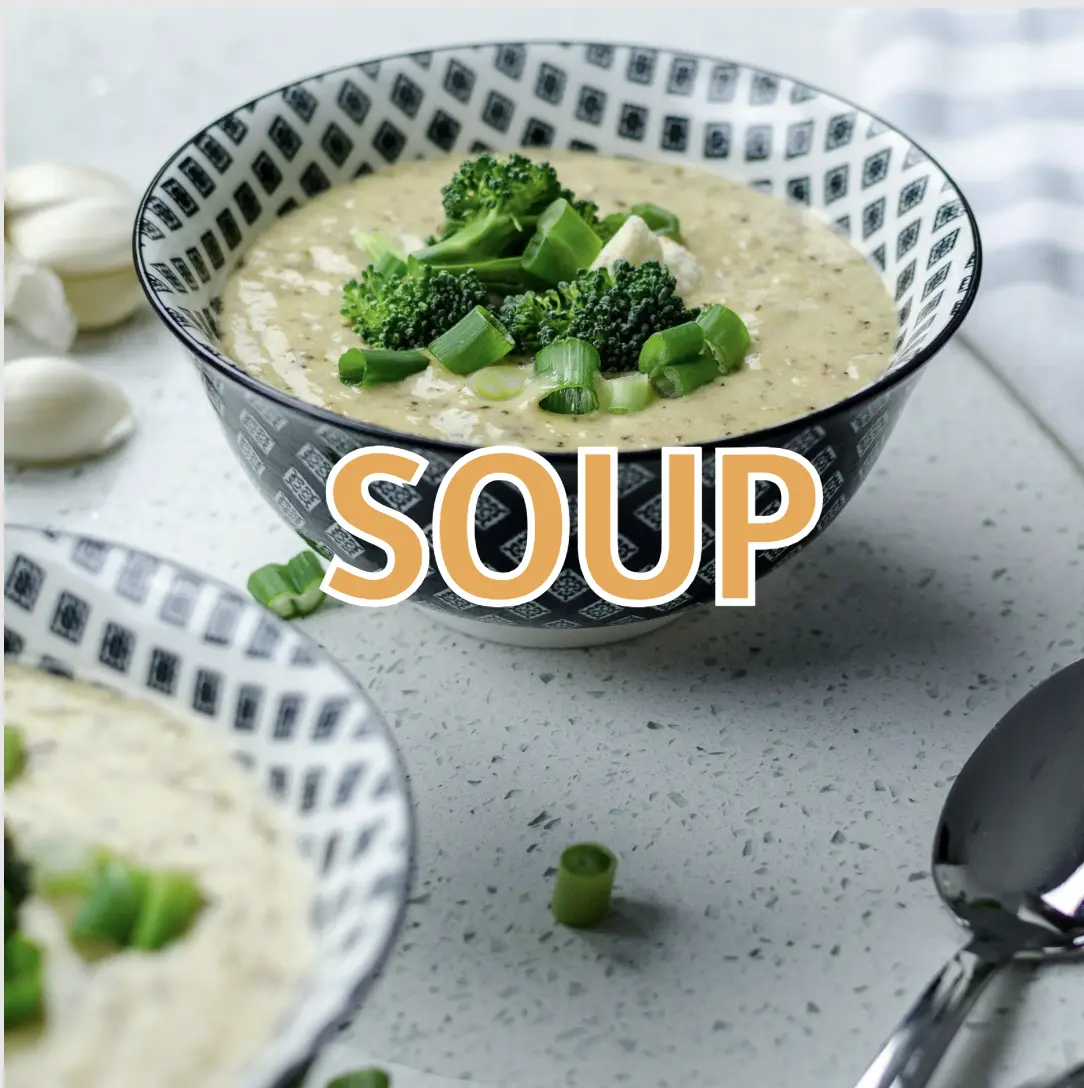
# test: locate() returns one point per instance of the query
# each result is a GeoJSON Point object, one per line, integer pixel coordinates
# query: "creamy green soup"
{"type": "Point", "coordinates": [821, 322]}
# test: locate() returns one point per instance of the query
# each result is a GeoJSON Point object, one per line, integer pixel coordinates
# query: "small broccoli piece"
{"type": "Point", "coordinates": [490, 208]}
{"type": "Point", "coordinates": [534, 319]}
{"type": "Point", "coordinates": [410, 312]}
{"type": "Point", "coordinates": [615, 310]}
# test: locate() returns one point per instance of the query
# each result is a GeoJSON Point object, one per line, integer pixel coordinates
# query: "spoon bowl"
{"type": "Point", "coordinates": [1008, 860]}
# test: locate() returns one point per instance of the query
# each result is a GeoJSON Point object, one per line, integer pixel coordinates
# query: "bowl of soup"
{"type": "Point", "coordinates": [849, 255]}
{"type": "Point", "coordinates": [208, 830]}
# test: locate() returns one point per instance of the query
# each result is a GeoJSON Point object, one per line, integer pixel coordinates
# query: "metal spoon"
{"type": "Point", "coordinates": [1008, 859]}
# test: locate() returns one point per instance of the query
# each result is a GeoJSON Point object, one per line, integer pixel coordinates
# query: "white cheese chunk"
{"type": "Point", "coordinates": [634, 242]}
{"type": "Point", "coordinates": [682, 264]}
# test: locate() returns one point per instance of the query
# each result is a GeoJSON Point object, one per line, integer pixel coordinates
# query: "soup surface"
{"type": "Point", "coordinates": [821, 322]}
{"type": "Point", "coordinates": [110, 771]}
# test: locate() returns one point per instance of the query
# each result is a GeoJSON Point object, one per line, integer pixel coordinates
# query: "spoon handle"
{"type": "Point", "coordinates": [911, 1055]}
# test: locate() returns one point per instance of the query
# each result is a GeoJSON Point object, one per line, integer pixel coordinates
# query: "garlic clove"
{"type": "Point", "coordinates": [57, 411]}
{"type": "Point", "coordinates": [34, 298]}
{"type": "Point", "coordinates": [42, 184]}
{"type": "Point", "coordinates": [102, 301]}
{"type": "Point", "coordinates": [80, 238]}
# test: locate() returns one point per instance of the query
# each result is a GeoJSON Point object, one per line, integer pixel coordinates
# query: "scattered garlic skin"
{"type": "Point", "coordinates": [35, 298]}
{"type": "Point", "coordinates": [77, 222]}
{"type": "Point", "coordinates": [57, 411]}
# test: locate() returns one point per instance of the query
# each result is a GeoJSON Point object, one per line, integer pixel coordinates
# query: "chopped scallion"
{"type": "Point", "coordinates": [24, 999]}
{"type": "Point", "coordinates": [478, 340]}
{"type": "Point", "coordinates": [390, 266]}
{"type": "Point", "coordinates": [371, 366]}
{"type": "Point", "coordinates": [362, 1078]}
{"type": "Point", "coordinates": [673, 345]}
{"type": "Point", "coordinates": [498, 382]}
{"type": "Point", "coordinates": [569, 372]}
{"type": "Point", "coordinates": [680, 379]}
{"type": "Point", "coordinates": [562, 244]}
{"type": "Point", "coordinates": [378, 246]}
{"type": "Point", "coordinates": [624, 394]}
{"type": "Point", "coordinates": [725, 336]}
{"type": "Point", "coordinates": [112, 905]}
{"type": "Point", "coordinates": [171, 902]}
{"type": "Point", "coordinates": [63, 867]}
{"type": "Point", "coordinates": [658, 219]}
{"type": "Point", "coordinates": [584, 885]}
{"type": "Point", "coordinates": [14, 753]}
{"type": "Point", "coordinates": [290, 589]}
{"type": "Point", "coordinates": [613, 222]}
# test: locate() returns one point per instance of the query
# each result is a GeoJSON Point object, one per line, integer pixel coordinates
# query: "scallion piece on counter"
{"type": "Point", "coordinates": [290, 589]}
{"type": "Point", "coordinates": [14, 753]}
{"type": "Point", "coordinates": [113, 902]}
{"type": "Point", "coordinates": [569, 370]}
{"type": "Point", "coordinates": [362, 1078]}
{"type": "Point", "coordinates": [674, 345]}
{"type": "Point", "coordinates": [585, 880]}
{"type": "Point", "coordinates": [24, 999]}
{"type": "Point", "coordinates": [680, 379]}
{"type": "Point", "coordinates": [725, 336]}
{"type": "Point", "coordinates": [624, 394]}
{"type": "Point", "coordinates": [478, 340]}
{"type": "Point", "coordinates": [562, 244]}
{"type": "Point", "coordinates": [498, 382]}
{"type": "Point", "coordinates": [371, 366]}
{"type": "Point", "coordinates": [658, 219]}
{"type": "Point", "coordinates": [171, 902]}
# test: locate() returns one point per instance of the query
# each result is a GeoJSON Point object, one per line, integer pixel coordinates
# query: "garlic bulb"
{"type": "Point", "coordinates": [56, 411]}
{"type": "Point", "coordinates": [34, 298]}
{"type": "Point", "coordinates": [77, 222]}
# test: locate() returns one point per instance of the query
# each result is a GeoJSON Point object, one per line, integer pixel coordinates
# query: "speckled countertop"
{"type": "Point", "coordinates": [769, 777]}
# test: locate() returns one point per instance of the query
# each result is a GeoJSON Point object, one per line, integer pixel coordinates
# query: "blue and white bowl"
{"type": "Point", "coordinates": [850, 168]}
{"type": "Point", "coordinates": [289, 713]}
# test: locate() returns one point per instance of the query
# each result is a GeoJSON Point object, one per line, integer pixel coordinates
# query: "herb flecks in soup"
{"type": "Point", "coordinates": [192, 987]}
{"type": "Point", "coordinates": [820, 323]}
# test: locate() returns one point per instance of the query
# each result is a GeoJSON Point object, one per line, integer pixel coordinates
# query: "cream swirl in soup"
{"type": "Point", "coordinates": [821, 321]}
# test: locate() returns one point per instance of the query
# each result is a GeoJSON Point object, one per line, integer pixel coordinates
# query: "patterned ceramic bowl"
{"type": "Point", "coordinates": [290, 714]}
{"type": "Point", "coordinates": [852, 169]}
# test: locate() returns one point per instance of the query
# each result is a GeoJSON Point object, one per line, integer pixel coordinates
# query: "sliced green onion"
{"type": "Point", "coordinates": [673, 345]}
{"type": "Point", "coordinates": [725, 336]}
{"type": "Point", "coordinates": [478, 340]}
{"type": "Point", "coordinates": [112, 905]}
{"type": "Point", "coordinates": [305, 573]}
{"type": "Point", "coordinates": [171, 902]}
{"type": "Point", "coordinates": [498, 382]}
{"type": "Point", "coordinates": [63, 867]}
{"type": "Point", "coordinates": [377, 245]}
{"type": "Point", "coordinates": [290, 589]}
{"type": "Point", "coordinates": [502, 275]}
{"type": "Point", "coordinates": [390, 266]}
{"type": "Point", "coordinates": [585, 880]}
{"type": "Point", "coordinates": [371, 366]}
{"type": "Point", "coordinates": [14, 753]}
{"type": "Point", "coordinates": [569, 370]}
{"type": "Point", "coordinates": [24, 999]}
{"type": "Point", "coordinates": [271, 588]}
{"type": "Point", "coordinates": [562, 244]}
{"type": "Point", "coordinates": [362, 1078]}
{"type": "Point", "coordinates": [624, 394]}
{"type": "Point", "coordinates": [11, 919]}
{"type": "Point", "coordinates": [613, 222]}
{"type": "Point", "coordinates": [658, 219]}
{"type": "Point", "coordinates": [680, 379]}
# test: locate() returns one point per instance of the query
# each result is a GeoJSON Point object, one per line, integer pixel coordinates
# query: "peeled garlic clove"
{"type": "Point", "coordinates": [34, 298]}
{"type": "Point", "coordinates": [41, 184]}
{"type": "Point", "coordinates": [80, 238]}
{"type": "Point", "coordinates": [56, 410]}
{"type": "Point", "coordinates": [102, 301]}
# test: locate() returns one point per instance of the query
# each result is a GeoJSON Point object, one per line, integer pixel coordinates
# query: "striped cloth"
{"type": "Point", "coordinates": [998, 97]}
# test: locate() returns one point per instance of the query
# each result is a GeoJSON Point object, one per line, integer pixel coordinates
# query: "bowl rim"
{"type": "Point", "coordinates": [766, 436]}
{"type": "Point", "coordinates": [287, 1078]}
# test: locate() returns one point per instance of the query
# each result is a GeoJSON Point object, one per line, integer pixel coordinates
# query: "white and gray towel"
{"type": "Point", "coordinates": [997, 96]}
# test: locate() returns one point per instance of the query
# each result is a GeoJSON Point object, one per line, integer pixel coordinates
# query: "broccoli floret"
{"type": "Point", "coordinates": [616, 311]}
{"type": "Point", "coordinates": [410, 312]}
{"type": "Point", "coordinates": [490, 208]}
